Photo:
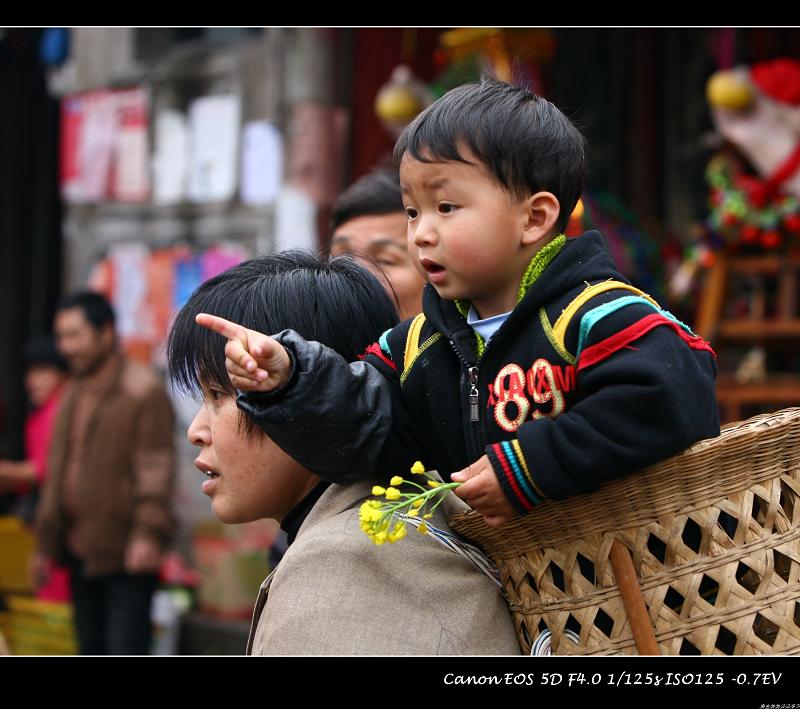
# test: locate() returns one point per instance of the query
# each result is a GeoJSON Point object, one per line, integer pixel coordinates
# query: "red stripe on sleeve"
{"type": "Point", "coordinates": [375, 349]}
{"type": "Point", "coordinates": [603, 350]}
{"type": "Point", "coordinates": [510, 477]}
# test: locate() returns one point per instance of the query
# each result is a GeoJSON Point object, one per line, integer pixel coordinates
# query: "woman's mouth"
{"type": "Point", "coordinates": [209, 485]}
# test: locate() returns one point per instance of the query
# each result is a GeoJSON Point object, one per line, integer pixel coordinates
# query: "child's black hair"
{"type": "Point", "coordinates": [523, 140]}
{"type": "Point", "coordinates": [335, 302]}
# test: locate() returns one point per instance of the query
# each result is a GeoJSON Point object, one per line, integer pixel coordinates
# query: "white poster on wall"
{"type": "Point", "coordinates": [131, 174]}
{"type": "Point", "coordinates": [214, 131]}
{"type": "Point", "coordinates": [295, 221]}
{"type": "Point", "coordinates": [262, 163]}
{"type": "Point", "coordinates": [96, 146]}
{"type": "Point", "coordinates": [171, 157]}
{"type": "Point", "coordinates": [133, 318]}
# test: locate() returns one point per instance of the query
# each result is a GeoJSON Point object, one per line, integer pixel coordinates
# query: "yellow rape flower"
{"type": "Point", "coordinates": [380, 519]}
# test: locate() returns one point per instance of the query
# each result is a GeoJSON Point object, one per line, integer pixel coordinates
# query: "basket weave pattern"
{"type": "Point", "coordinates": [713, 534]}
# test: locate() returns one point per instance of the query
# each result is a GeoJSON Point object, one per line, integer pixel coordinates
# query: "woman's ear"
{"type": "Point", "coordinates": [541, 215]}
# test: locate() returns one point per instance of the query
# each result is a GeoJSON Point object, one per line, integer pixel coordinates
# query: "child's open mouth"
{"type": "Point", "coordinates": [431, 267]}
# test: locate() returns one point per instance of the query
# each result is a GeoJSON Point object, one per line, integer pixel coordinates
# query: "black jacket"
{"type": "Point", "coordinates": [554, 424]}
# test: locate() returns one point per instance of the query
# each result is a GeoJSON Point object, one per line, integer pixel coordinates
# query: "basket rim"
{"type": "Point", "coordinates": [745, 454]}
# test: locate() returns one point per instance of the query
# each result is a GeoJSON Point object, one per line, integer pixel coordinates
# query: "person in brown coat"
{"type": "Point", "coordinates": [106, 507]}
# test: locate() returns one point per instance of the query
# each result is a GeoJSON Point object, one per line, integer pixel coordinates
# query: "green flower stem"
{"type": "Point", "coordinates": [427, 494]}
{"type": "Point", "coordinates": [450, 486]}
{"type": "Point", "coordinates": [416, 485]}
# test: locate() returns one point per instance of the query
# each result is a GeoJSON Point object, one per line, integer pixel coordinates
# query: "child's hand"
{"type": "Point", "coordinates": [481, 490]}
{"type": "Point", "coordinates": [254, 361]}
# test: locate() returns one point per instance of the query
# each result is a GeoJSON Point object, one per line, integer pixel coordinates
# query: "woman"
{"type": "Point", "coordinates": [334, 592]}
{"type": "Point", "coordinates": [45, 376]}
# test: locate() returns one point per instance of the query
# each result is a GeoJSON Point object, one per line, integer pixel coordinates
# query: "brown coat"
{"type": "Point", "coordinates": [127, 470]}
{"type": "Point", "coordinates": [336, 593]}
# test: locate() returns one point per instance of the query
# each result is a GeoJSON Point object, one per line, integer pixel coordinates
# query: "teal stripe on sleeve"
{"type": "Point", "coordinates": [384, 343]}
{"type": "Point", "coordinates": [590, 319]}
{"type": "Point", "coordinates": [511, 457]}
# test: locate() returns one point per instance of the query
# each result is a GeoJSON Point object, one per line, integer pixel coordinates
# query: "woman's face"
{"type": "Point", "coordinates": [250, 478]}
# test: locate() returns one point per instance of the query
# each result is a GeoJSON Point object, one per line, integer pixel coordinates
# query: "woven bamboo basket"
{"type": "Point", "coordinates": [714, 542]}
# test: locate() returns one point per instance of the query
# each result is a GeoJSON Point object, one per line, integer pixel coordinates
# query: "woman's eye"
{"type": "Point", "coordinates": [411, 213]}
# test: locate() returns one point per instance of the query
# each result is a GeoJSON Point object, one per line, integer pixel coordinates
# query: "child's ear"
{"type": "Point", "coordinates": [541, 214]}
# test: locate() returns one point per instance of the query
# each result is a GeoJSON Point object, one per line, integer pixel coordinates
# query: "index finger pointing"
{"type": "Point", "coordinates": [224, 327]}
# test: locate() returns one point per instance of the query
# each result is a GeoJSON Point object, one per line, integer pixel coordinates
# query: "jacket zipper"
{"type": "Point", "coordinates": [473, 399]}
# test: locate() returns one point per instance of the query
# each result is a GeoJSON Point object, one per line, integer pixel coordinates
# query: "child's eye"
{"type": "Point", "coordinates": [447, 208]}
{"type": "Point", "coordinates": [411, 213]}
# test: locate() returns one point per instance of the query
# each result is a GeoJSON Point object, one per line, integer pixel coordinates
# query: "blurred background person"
{"type": "Point", "coordinates": [45, 375]}
{"type": "Point", "coordinates": [369, 221]}
{"type": "Point", "coordinates": [106, 505]}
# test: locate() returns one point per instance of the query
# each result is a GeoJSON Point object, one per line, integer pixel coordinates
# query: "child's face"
{"type": "Point", "coordinates": [252, 478]}
{"type": "Point", "coordinates": [465, 232]}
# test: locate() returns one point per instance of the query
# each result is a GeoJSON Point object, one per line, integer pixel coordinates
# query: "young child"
{"type": "Point", "coordinates": [536, 370]}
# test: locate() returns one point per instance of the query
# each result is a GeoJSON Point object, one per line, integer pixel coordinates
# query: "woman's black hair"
{"type": "Point", "coordinates": [525, 143]}
{"type": "Point", "coordinates": [335, 302]}
{"type": "Point", "coordinates": [41, 351]}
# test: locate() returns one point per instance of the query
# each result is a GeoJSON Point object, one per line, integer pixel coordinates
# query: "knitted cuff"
{"type": "Point", "coordinates": [515, 479]}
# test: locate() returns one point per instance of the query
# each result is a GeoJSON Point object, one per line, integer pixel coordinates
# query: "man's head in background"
{"type": "Point", "coordinates": [84, 330]}
{"type": "Point", "coordinates": [369, 220]}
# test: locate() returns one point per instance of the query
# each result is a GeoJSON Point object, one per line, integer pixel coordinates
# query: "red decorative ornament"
{"type": "Point", "coordinates": [708, 259]}
{"type": "Point", "coordinates": [750, 234]}
{"type": "Point", "coordinates": [771, 239]}
{"type": "Point", "coordinates": [730, 219]}
{"type": "Point", "coordinates": [779, 79]}
{"type": "Point", "coordinates": [791, 223]}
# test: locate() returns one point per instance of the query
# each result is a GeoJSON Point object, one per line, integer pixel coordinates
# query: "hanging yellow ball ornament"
{"type": "Point", "coordinates": [729, 89]}
{"type": "Point", "coordinates": [397, 103]}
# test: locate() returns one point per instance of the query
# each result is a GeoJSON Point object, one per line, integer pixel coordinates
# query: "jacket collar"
{"type": "Point", "coordinates": [552, 273]}
{"type": "Point", "coordinates": [450, 316]}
